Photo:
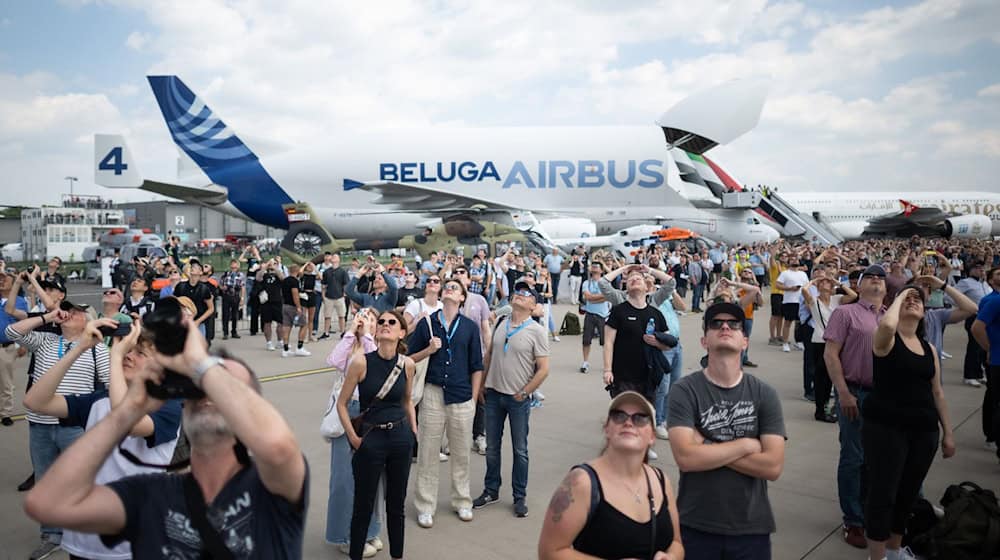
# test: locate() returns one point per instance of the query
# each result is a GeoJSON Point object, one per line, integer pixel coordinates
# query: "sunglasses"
{"type": "Point", "coordinates": [110, 292]}
{"type": "Point", "coordinates": [461, 272]}
{"type": "Point", "coordinates": [639, 419]}
{"type": "Point", "coordinates": [524, 293]}
{"type": "Point", "coordinates": [390, 322]}
{"type": "Point", "coordinates": [433, 281]}
{"type": "Point", "coordinates": [452, 287]}
{"type": "Point", "coordinates": [733, 324]}
{"type": "Point", "coordinates": [410, 274]}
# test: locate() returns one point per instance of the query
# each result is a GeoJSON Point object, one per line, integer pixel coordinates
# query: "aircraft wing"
{"type": "Point", "coordinates": [420, 199]}
{"type": "Point", "coordinates": [210, 194]}
{"type": "Point", "coordinates": [928, 221]}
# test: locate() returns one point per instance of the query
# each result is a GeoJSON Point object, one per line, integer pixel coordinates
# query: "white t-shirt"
{"type": "Point", "coordinates": [821, 316]}
{"type": "Point", "coordinates": [418, 306]}
{"type": "Point", "coordinates": [791, 278]}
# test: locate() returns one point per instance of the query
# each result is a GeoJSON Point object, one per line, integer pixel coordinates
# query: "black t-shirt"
{"type": "Point", "coordinates": [406, 295]}
{"type": "Point", "coordinates": [334, 280]}
{"type": "Point", "coordinates": [629, 363]}
{"type": "Point", "coordinates": [287, 285]}
{"type": "Point", "coordinates": [271, 284]}
{"type": "Point", "coordinates": [56, 278]}
{"type": "Point", "coordinates": [199, 294]}
{"type": "Point", "coordinates": [308, 282]}
{"type": "Point", "coordinates": [254, 522]}
{"type": "Point", "coordinates": [577, 268]}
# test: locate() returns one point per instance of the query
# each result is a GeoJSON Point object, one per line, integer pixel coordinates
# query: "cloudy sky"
{"type": "Point", "coordinates": [897, 97]}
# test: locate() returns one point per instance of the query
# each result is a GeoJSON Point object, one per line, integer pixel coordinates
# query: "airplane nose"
{"type": "Point", "coordinates": [771, 234]}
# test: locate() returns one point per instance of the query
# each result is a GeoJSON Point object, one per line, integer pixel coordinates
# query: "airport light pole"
{"type": "Point", "coordinates": [71, 179]}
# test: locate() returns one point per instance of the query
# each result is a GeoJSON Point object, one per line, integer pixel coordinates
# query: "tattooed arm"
{"type": "Point", "coordinates": [565, 518]}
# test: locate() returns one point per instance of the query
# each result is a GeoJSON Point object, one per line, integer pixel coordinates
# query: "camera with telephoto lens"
{"type": "Point", "coordinates": [163, 325]}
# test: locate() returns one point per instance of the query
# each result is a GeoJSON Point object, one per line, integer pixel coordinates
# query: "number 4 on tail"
{"type": "Point", "coordinates": [113, 161]}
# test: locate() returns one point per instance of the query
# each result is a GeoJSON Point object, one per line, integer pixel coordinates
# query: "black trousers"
{"type": "Point", "coordinates": [808, 360]}
{"type": "Point", "coordinates": [896, 462]}
{"type": "Point", "coordinates": [254, 316]}
{"type": "Point", "coordinates": [555, 286]}
{"type": "Point", "coordinates": [479, 421]}
{"type": "Point", "coordinates": [821, 378]}
{"type": "Point", "coordinates": [991, 406]}
{"type": "Point", "coordinates": [387, 451]}
{"type": "Point", "coordinates": [975, 357]}
{"type": "Point", "coordinates": [210, 327]}
{"type": "Point", "coordinates": [230, 313]}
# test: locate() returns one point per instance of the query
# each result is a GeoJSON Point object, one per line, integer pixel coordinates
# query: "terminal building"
{"type": "Point", "coordinates": [192, 223]}
{"type": "Point", "coordinates": [65, 231]}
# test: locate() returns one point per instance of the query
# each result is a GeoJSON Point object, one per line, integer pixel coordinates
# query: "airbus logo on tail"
{"type": "Point", "coordinates": [544, 174]}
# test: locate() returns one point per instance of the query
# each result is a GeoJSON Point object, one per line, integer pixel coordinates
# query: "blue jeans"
{"type": "Point", "coordinates": [498, 408]}
{"type": "Point", "coordinates": [46, 442]}
{"type": "Point", "coordinates": [850, 468]}
{"type": "Point", "coordinates": [675, 357]}
{"type": "Point", "coordinates": [340, 504]}
{"type": "Point", "coordinates": [700, 545]}
{"type": "Point", "coordinates": [747, 329]}
{"type": "Point", "coordinates": [698, 290]}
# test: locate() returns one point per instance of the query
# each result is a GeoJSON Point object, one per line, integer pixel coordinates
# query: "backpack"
{"type": "Point", "coordinates": [570, 325]}
{"type": "Point", "coordinates": [970, 528]}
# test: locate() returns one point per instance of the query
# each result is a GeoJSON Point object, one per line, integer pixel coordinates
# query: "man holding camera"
{"type": "Point", "coordinates": [383, 292]}
{"type": "Point", "coordinates": [227, 504]}
{"type": "Point", "coordinates": [199, 292]}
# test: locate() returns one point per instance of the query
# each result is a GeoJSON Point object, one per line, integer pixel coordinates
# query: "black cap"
{"type": "Point", "coordinates": [873, 270]}
{"type": "Point", "coordinates": [978, 263]}
{"type": "Point", "coordinates": [518, 286]}
{"type": "Point", "coordinates": [724, 307]}
{"type": "Point", "coordinates": [50, 285]}
{"type": "Point", "coordinates": [70, 306]}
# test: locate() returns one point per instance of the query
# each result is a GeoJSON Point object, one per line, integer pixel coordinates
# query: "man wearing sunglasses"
{"type": "Point", "coordinates": [454, 377]}
{"type": "Point", "coordinates": [727, 435]}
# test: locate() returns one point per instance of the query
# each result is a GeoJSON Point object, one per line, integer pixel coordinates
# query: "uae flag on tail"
{"type": "Point", "coordinates": [687, 170]}
{"type": "Point", "coordinates": [727, 180]}
{"type": "Point", "coordinates": [708, 175]}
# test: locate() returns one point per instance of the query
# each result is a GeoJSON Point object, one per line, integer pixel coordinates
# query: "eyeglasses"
{"type": "Point", "coordinates": [409, 274]}
{"type": "Point", "coordinates": [639, 419]}
{"type": "Point", "coordinates": [433, 281]}
{"type": "Point", "coordinates": [733, 324]}
{"type": "Point", "coordinates": [525, 293]}
{"type": "Point", "coordinates": [452, 287]}
{"type": "Point", "coordinates": [390, 322]}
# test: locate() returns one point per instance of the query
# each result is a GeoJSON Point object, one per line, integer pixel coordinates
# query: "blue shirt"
{"type": "Point", "coordinates": [452, 366]}
{"type": "Point", "coordinates": [757, 265]}
{"type": "Point", "coordinates": [989, 313]}
{"type": "Point", "coordinates": [553, 263]}
{"type": "Point", "coordinates": [602, 308]}
{"type": "Point", "coordinates": [6, 319]}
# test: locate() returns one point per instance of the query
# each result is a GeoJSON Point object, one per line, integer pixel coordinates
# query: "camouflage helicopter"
{"type": "Point", "coordinates": [307, 240]}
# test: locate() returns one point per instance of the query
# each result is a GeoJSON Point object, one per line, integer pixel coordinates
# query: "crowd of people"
{"type": "Point", "coordinates": [433, 358]}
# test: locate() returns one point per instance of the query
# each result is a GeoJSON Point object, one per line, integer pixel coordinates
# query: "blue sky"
{"type": "Point", "coordinates": [895, 96]}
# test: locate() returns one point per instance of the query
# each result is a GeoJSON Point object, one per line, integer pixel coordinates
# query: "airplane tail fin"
{"type": "Point", "coordinates": [114, 166]}
{"type": "Point", "coordinates": [195, 128]}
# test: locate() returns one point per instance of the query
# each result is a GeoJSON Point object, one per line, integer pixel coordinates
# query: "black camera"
{"type": "Point", "coordinates": [30, 269]}
{"type": "Point", "coordinates": [163, 325]}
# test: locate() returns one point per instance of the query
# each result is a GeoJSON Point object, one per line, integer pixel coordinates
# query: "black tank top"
{"type": "Point", "coordinates": [390, 408]}
{"type": "Point", "coordinates": [610, 533]}
{"type": "Point", "coordinates": [901, 389]}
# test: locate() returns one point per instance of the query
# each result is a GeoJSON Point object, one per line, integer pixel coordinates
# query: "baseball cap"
{"type": "Point", "coordinates": [724, 307]}
{"type": "Point", "coordinates": [66, 305]}
{"type": "Point", "coordinates": [124, 324]}
{"type": "Point", "coordinates": [518, 286]}
{"type": "Point", "coordinates": [873, 270]}
{"type": "Point", "coordinates": [49, 285]}
{"type": "Point", "coordinates": [634, 398]}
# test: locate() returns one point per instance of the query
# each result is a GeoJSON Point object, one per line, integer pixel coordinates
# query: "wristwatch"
{"type": "Point", "coordinates": [523, 395]}
{"type": "Point", "coordinates": [203, 366]}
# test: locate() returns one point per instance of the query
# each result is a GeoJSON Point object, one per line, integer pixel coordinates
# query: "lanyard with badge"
{"type": "Point", "coordinates": [510, 334]}
{"type": "Point", "coordinates": [448, 335]}
{"type": "Point", "coordinates": [68, 347]}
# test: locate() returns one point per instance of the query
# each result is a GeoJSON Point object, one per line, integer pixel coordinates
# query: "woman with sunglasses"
{"type": "Point", "coordinates": [357, 342]}
{"type": "Point", "coordinates": [388, 431]}
{"type": "Point", "coordinates": [615, 506]}
{"type": "Point", "coordinates": [544, 288]}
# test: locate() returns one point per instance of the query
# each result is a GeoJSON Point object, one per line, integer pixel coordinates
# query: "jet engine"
{"type": "Point", "coordinates": [968, 226]}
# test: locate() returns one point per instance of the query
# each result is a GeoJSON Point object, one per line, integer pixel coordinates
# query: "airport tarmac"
{"type": "Point", "coordinates": [565, 431]}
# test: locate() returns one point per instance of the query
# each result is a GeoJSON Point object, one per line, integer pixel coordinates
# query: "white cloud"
{"type": "Point", "coordinates": [136, 40]}
{"type": "Point", "coordinates": [990, 91]}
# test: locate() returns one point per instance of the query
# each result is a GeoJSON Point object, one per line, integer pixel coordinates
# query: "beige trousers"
{"type": "Point", "coordinates": [435, 419]}
{"type": "Point", "coordinates": [7, 357]}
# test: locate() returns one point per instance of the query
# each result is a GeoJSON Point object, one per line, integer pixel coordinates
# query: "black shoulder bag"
{"type": "Point", "coordinates": [212, 545]}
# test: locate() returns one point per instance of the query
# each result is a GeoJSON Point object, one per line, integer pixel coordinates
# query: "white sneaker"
{"type": "Point", "coordinates": [465, 514]}
{"type": "Point", "coordinates": [377, 543]}
{"type": "Point", "coordinates": [785, 348]}
{"type": "Point", "coordinates": [555, 339]}
{"type": "Point", "coordinates": [368, 552]}
{"type": "Point", "coordinates": [972, 383]}
{"type": "Point", "coordinates": [990, 446]}
{"type": "Point", "coordinates": [286, 353]}
{"type": "Point", "coordinates": [902, 554]}
{"type": "Point", "coordinates": [946, 356]}
{"type": "Point", "coordinates": [302, 352]}
{"type": "Point", "coordinates": [442, 457]}
{"type": "Point", "coordinates": [425, 520]}
{"type": "Point", "coordinates": [800, 346]}
{"type": "Point", "coordinates": [480, 445]}
{"type": "Point", "coordinates": [270, 346]}
{"type": "Point", "coordinates": [661, 432]}
{"type": "Point", "coordinates": [538, 395]}
{"type": "Point", "coordinates": [584, 367]}
{"type": "Point", "coordinates": [651, 455]}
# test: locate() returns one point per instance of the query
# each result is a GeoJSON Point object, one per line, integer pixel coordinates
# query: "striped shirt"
{"type": "Point", "coordinates": [48, 349]}
{"type": "Point", "coordinates": [853, 326]}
